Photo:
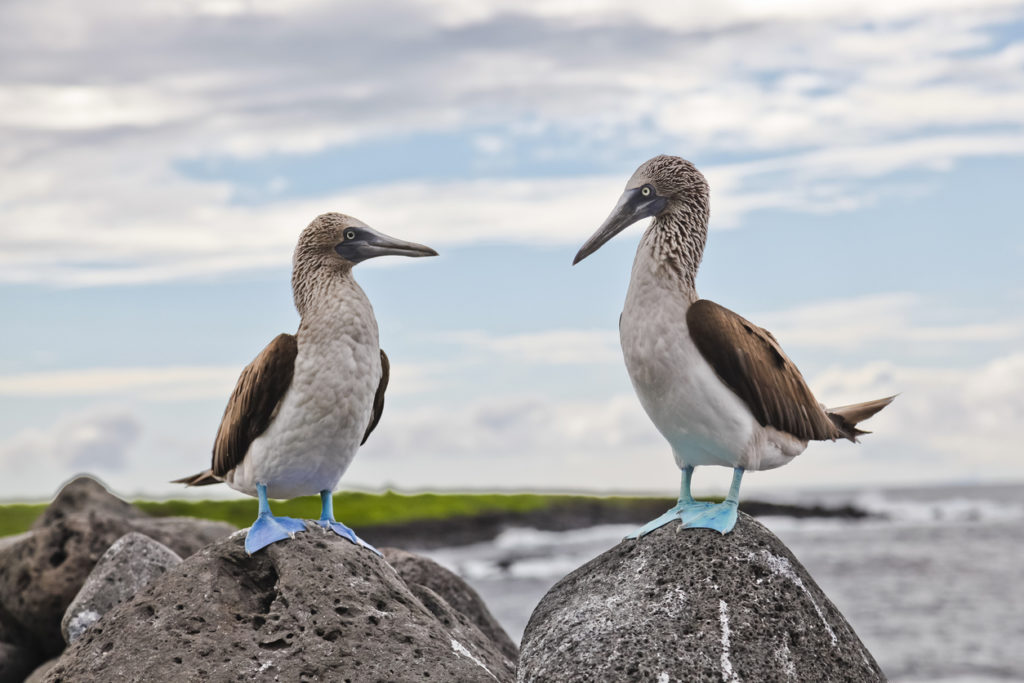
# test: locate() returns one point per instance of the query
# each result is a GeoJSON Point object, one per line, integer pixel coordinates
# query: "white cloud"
{"type": "Point", "coordinates": [831, 96]}
{"type": "Point", "coordinates": [164, 383]}
{"type": "Point", "coordinates": [550, 347]}
{"type": "Point", "coordinates": [969, 416]}
{"type": "Point", "coordinates": [170, 383]}
{"type": "Point", "coordinates": [96, 441]}
{"type": "Point", "coordinates": [531, 442]}
{"type": "Point", "coordinates": [850, 324]}
{"type": "Point", "coordinates": [946, 425]}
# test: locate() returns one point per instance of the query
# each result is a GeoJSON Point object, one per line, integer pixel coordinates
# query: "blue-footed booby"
{"type": "Point", "coordinates": [309, 400]}
{"type": "Point", "coordinates": [718, 387]}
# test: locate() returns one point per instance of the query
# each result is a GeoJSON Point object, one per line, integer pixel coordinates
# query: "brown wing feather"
{"type": "Point", "coordinates": [254, 402]}
{"type": "Point", "coordinates": [749, 360]}
{"type": "Point", "coordinates": [378, 400]}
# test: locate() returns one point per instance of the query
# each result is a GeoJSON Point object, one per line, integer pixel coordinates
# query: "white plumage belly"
{"type": "Point", "coordinates": [324, 414]}
{"type": "Point", "coordinates": [704, 421]}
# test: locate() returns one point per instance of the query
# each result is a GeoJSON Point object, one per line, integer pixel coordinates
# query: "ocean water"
{"type": "Point", "coordinates": [935, 589]}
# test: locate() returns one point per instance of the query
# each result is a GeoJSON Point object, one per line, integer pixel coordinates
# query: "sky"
{"type": "Point", "coordinates": [158, 161]}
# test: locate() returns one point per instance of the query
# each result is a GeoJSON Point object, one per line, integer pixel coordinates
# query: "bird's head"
{"type": "Point", "coordinates": [658, 186]}
{"type": "Point", "coordinates": [334, 239]}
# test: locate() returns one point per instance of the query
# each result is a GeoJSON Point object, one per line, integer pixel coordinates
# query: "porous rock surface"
{"type": "Point", "coordinates": [85, 493]}
{"type": "Point", "coordinates": [419, 571]}
{"type": "Point", "coordinates": [17, 656]}
{"type": "Point", "coordinates": [41, 574]}
{"type": "Point", "coordinates": [692, 605]}
{"type": "Point", "coordinates": [315, 607]}
{"type": "Point", "coordinates": [128, 566]}
{"type": "Point", "coordinates": [39, 674]}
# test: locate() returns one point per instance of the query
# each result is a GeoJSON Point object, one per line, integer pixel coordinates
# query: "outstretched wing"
{"type": "Point", "coordinates": [254, 402]}
{"type": "Point", "coordinates": [378, 400]}
{"type": "Point", "coordinates": [749, 360]}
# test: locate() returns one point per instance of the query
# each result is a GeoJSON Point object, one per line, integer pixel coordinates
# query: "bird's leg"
{"type": "Point", "coordinates": [734, 490]}
{"type": "Point", "coordinates": [326, 509]}
{"type": "Point", "coordinates": [267, 528]}
{"type": "Point", "coordinates": [721, 517]}
{"type": "Point", "coordinates": [328, 522]}
{"type": "Point", "coordinates": [684, 509]}
{"type": "Point", "coordinates": [685, 497]}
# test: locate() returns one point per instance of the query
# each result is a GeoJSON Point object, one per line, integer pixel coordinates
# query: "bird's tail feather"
{"type": "Point", "coordinates": [204, 478]}
{"type": "Point", "coordinates": [846, 418]}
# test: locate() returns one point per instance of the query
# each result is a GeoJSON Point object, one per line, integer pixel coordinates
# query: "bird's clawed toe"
{"type": "Point", "coordinates": [346, 533]}
{"type": "Point", "coordinates": [720, 517]}
{"type": "Point", "coordinates": [268, 529]}
{"type": "Point", "coordinates": [687, 513]}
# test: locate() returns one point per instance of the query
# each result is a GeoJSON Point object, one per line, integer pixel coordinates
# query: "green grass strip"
{"type": "Point", "coordinates": [355, 509]}
{"type": "Point", "coordinates": [18, 517]}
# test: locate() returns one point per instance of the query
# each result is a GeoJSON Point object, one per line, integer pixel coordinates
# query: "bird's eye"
{"type": "Point", "coordinates": [350, 235]}
{"type": "Point", "coordinates": [645, 190]}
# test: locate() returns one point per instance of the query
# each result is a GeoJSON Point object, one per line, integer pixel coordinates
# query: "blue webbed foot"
{"type": "Point", "coordinates": [697, 515]}
{"type": "Point", "coordinates": [269, 529]}
{"type": "Point", "coordinates": [346, 533]}
{"type": "Point", "coordinates": [328, 522]}
{"type": "Point", "coordinates": [681, 512]}
{"type": "Point", "coordinates": [720, 517]}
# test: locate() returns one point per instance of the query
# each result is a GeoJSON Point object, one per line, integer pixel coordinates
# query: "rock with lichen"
{"type": "Point", "coordinates": [128, 566]}
{"type": "Point", "coordinates": [315, 607]}
{"type": "Point", "coordinates": [41, 573]}
{"type": "Point", "coordinates": [692, 605]}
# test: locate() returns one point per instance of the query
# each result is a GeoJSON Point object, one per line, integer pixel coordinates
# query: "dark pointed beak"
{"type": "Point", "coordinates": [378, 244]}
{"type": "Point", "coordinates": [632, 207]}
{"type": "Point", "coordinates": [384, 245]}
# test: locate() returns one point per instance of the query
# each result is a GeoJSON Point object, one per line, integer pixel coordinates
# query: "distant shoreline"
{"type": "Point", "coordinates": [434, 520]}
{"type": "Point", "coordinates": [579, 513]}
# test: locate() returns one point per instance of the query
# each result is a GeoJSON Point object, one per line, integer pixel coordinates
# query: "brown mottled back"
{"type": "Point", "coordinates": [254, 402]}
{"type": "Point", "coordinates": [749, 360]}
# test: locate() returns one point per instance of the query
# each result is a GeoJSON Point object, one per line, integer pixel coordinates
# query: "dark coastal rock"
{"type": "Point", "coordinates": [417, 570]}
{"type": "Point", "coordinates": [561, 515]}
{"type": "Point", "coordinates": [42, 573]}
{"type": "Point", "coordinates": [17, 656]}
{"type": "Point", "coordinates": [315, 607]}
{"type": "Point", "coordinates": [693, 605]}
{"type": "Point", "coordinates": [7, 541]}
{"type": "Point", "coordinates": [85, 493]}
{"type": "Point", "coordinates": [16, 662]}
{"type": "Point", "coordinates": [128, 566]}
{"type": "Point", "coordinates": [39, 674]}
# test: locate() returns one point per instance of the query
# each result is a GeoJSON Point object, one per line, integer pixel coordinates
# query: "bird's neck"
{"type": "Point", "coordinates": [673, 246]}
{"type": "Point", "coordinates": [315, 287]}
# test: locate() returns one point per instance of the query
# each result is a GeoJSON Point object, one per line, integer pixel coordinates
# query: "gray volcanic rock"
{"type": "Point", "coordinates": [16, 662]}
{"type": "Point", "coordinates": [127, 567]}
{"type": "Point", "coordinates": [85, 493]}
{"type": "Point", "coordinates": [40, 575]}
{"type": "Point", "coordinates": [7, 541]}
{"type": "Point", "coordinates": [17, 657]}
{"type": "Point", "coordinates": [692, 605]}
{"type": "Point", "coordinates": [315, 607]}
{"type": "Point", "coordinates": [39, 674]}
{"type": "Point", "coordinates": [416, 570]}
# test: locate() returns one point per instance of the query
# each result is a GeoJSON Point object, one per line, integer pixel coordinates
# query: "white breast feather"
{"type": "Point", "coordinates": [321, 421]}
{"type": "Point", "coordinates": [704, 421]}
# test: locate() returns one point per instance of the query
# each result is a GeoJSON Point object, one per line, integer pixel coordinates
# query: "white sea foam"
{"type": "Point", "coordinates": [945, 510]}
{"type": "Point", "coordinates": [522, 538]}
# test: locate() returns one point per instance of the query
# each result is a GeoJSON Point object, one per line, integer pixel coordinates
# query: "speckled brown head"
{"type": "Point", "coordinates": [661, 185]}
{"type": "Point", "coordinates": [333, 243]}
{"type": "Point", "coordinates": [673, 178]}
{"type": "Point", "coordinates": [336, 238]}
